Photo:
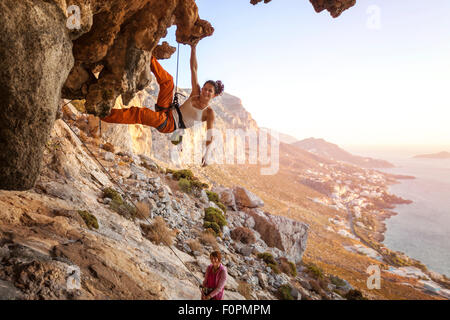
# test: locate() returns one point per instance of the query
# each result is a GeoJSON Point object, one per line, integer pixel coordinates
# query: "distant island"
{"type": "Point", "coordinates": [440, 155]}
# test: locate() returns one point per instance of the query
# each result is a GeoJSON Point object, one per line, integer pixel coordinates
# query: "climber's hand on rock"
{"type": "Point", "coordinates": [204, 164]}
{"type": "Point", "coordinates": [193, 43]}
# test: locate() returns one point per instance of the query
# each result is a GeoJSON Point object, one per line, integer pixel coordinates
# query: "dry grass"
{"type": "Point", "coordinates": [93, 127]}
{"type": "Point", "coordinates": [288, 267]}
{"type": "Point", "coordinates": [245, 290]}
{"type": "Point", "coordinates": [194, 245]}
{"type": "Point", "coordinates": [244, 235]}
{"type": "Point", "coordinates": [108, 147]}
{"type": "Point", "coordinates": [207, 238]}
{"type": "Point", "coordinates": [143, 210]}
{"type": "Point", "coordinates": [83, 136]}
{"type": "Point", "coordinates": [158, 232]}
{"type": "Point", "coordinates": [173, 185]}
{"type": "Point", "coordinates": [82, 124]}
{"type": "Point", "coordinates": [96, 141]}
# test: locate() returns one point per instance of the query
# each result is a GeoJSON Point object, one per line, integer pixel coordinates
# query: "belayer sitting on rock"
{"type": "Point", "coordinates": [169, 117]}
{"type": "Point", "coordinates": [215, 278]}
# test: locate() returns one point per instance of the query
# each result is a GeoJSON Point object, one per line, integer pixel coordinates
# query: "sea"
{"type": "Point", "coordinates": [421, 229]}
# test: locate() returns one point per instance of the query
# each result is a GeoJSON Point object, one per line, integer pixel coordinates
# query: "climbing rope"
{"type": "Point", "coordinates": [178, 62]}
{"type": "Point", "coordinates": [174, 103]}
{"type": "Point", "coordinates": [123, 192]}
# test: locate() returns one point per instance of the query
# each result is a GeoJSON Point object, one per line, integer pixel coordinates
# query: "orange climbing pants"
{"type": "Point", "coordinates": [162, 120]}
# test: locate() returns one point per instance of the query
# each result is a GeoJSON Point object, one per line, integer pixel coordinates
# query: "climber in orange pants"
{"type": "Point", "coordinates": [194, 110]}
{"type": "Point", "coordinates": [161, 120]}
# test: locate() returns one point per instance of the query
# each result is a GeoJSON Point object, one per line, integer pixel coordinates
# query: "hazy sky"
{"type": "Point", "coordinates": [378, 74]}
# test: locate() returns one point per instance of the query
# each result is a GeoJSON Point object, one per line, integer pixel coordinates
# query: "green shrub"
{"type": "Point", "coordinates": [118, 205]}
{"type": "Point", "coordinates": [125, 209]}
{"type": "Point", "coordinates": [113, 195]}
{"type": "Point", "coordinates": [274, 268]}
{"type": "Point", "coordinates": [185, 185]}
{"type": "Point", "coordinates": [196, 184]}
{"type": "Point", "coordinates": [222, 206]}
{"type": "Point", "coordinates": [212, 225]}
{"type": "Point", "coordinates": [285, 292]}
{"type": "Point", "coordinates": [338, 282]}
{"type": "Point", "coordinates": [89, 219]}
{"type": "Point", "coordinates": [267, 257]}
{"type": "Point", "coordinates": [293, 268]}
{"type": "Point", "coordinates": [186, 174]}
{"type": "Point", "coordinates": [314, 271]}
{"type": "Point", "coordinates": [212, 196]}
{"type": "Point", "coordinates": [215, 215]}
{"type": "Point", "coordinates": [288, 267]}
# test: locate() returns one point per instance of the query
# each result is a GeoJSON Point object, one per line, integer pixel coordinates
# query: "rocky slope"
{"type": "Point", "coordinates": [46, 244]}
{"type": "Point", "coordinates": [44, 237]}
{"type": "Point", "coordinates": [69, 236]}
{"type": "Point", "coordinates": [51, 250]}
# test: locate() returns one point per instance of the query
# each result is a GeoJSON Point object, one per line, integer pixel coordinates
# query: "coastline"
{"type": "Point", "coordinates": [426, 219]}
{"type": "Point", "coordinates": [368, 203]}
{"type": "Point", "coordinates": [386, 214]}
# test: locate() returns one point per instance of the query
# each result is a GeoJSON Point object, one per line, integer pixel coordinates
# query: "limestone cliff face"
{"type": "Point", "coordinates": [35, 59]}
{"type": "Point", "coordinates": [120, 41]}
{"type": "Point", "coordinates": [85, 49]}
{"type": "Point", "coordinates": [112, 44]}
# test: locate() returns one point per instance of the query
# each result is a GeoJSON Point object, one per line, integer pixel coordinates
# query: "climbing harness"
{"type": "Point", "coordinates": [123, 192]}
{"type": "Point", "coordinates": [177, 137]}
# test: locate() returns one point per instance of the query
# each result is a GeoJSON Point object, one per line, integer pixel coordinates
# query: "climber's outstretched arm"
{"type": "Point", "coordinates": [209, 117]}
{"type": "Point", "coordinates": [194, 68]}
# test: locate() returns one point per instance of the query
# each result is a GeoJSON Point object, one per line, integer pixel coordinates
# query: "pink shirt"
{"type": "Point", "coordinates": [216, 280]}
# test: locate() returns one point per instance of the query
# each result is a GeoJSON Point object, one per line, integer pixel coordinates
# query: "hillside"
{"type": "Point", "coordinates": [91, 210]}
{"type": "Point", "coordinates": [48, 230]}
{"type": "Point", "coordinates": [439, 155]}
{"type": "Point", "coordinates": [332, 151]}
{"type": "Point", "coordinates": [285, 138]}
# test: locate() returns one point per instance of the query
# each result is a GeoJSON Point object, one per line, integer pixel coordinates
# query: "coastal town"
{"type": "Point", "coordinates": [362, 197]}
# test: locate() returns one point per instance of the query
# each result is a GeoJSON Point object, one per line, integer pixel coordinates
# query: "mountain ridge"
{"type": "Point", "coordinates": [322, 147]}
{"type": "Point", "coordinates": [438, 155]}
